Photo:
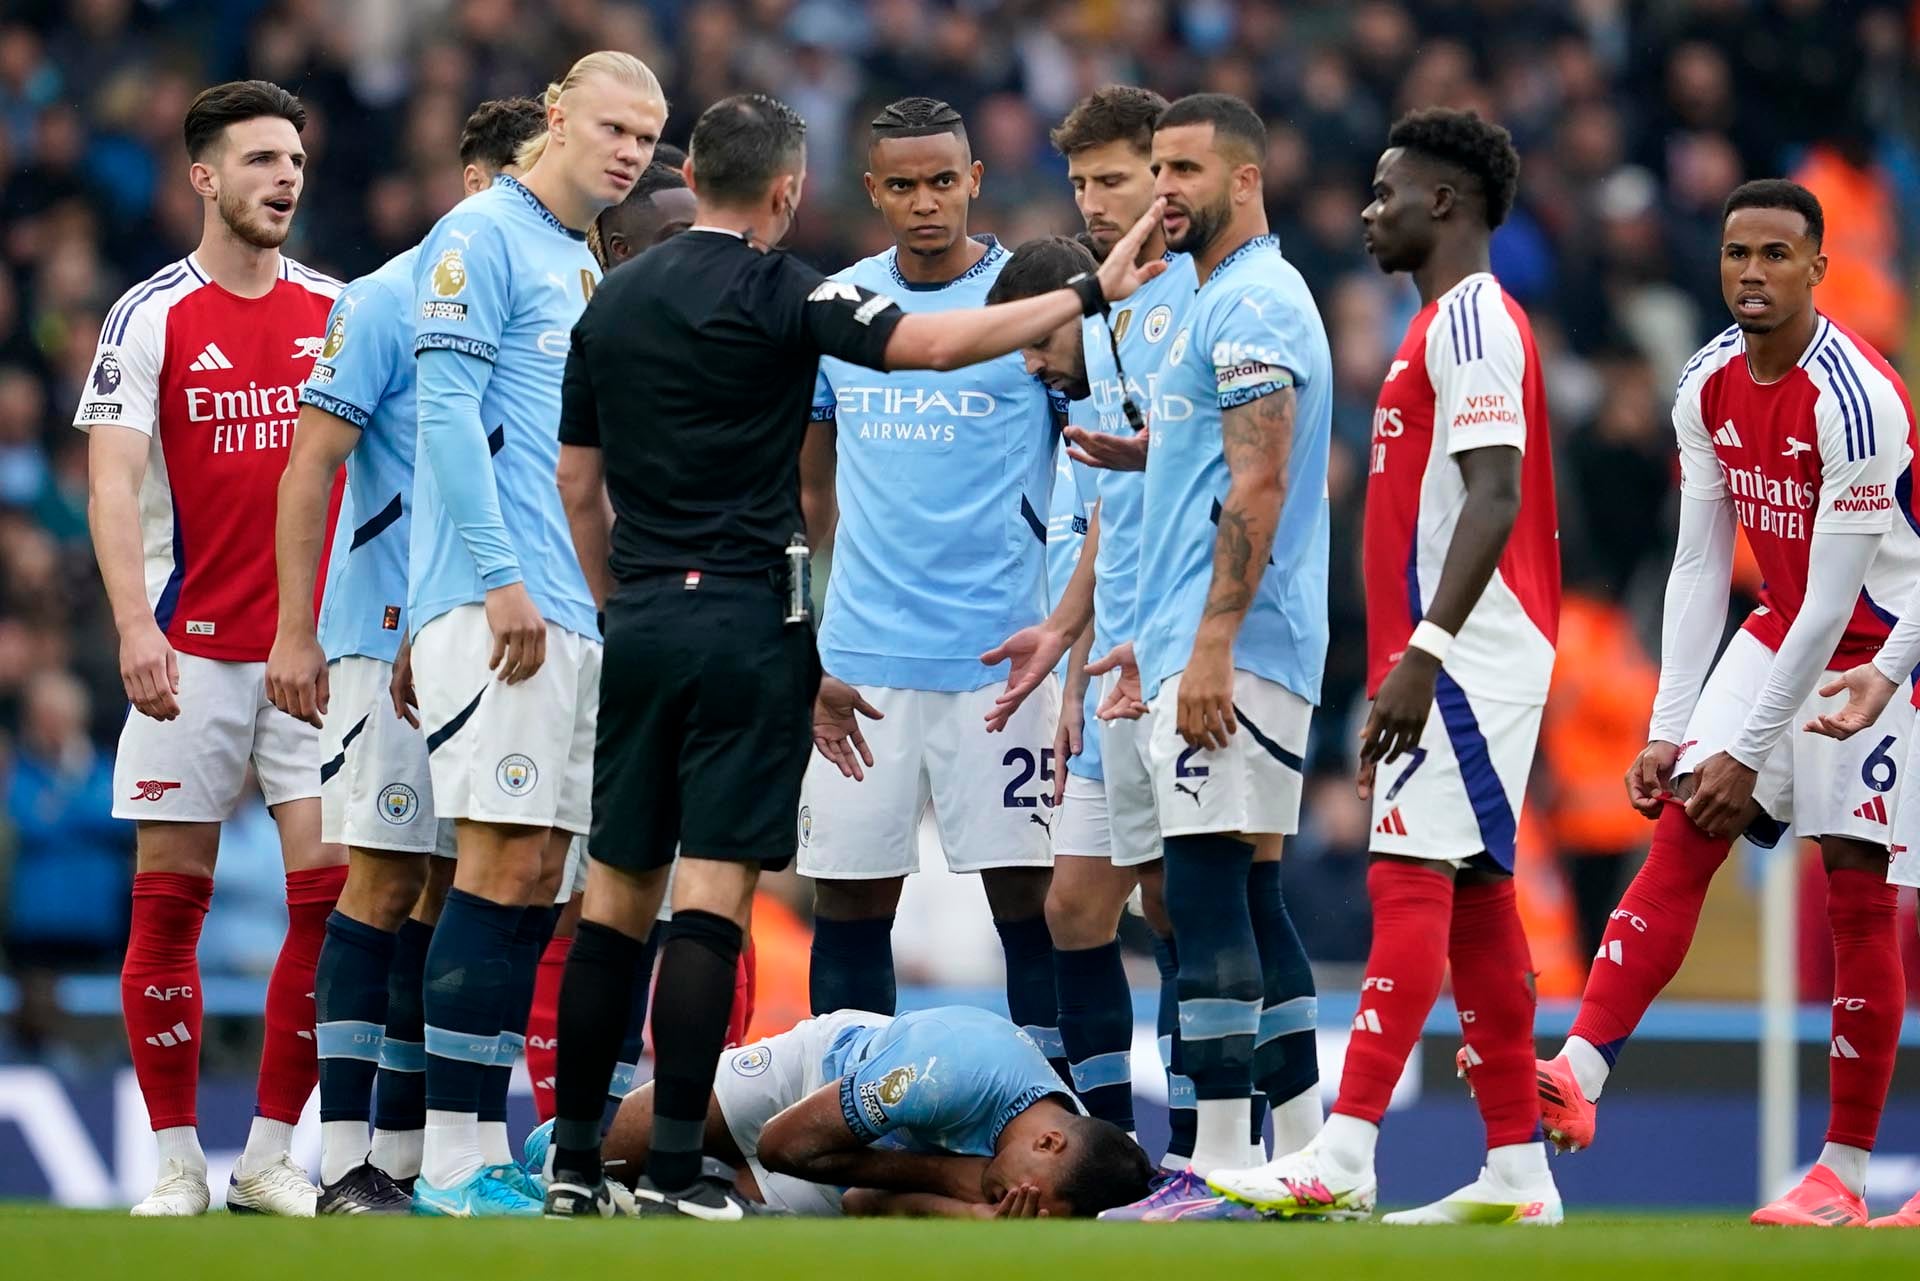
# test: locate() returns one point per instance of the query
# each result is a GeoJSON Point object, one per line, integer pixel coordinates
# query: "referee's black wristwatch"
{"type": "Point", "coordinates": [1093, 299]}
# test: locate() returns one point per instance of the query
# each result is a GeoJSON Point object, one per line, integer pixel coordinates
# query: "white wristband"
{"type": "Point", "coordinates": [1431, 638]}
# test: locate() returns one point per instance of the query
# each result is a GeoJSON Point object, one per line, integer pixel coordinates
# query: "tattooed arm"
{"type": "Point", "coordinates": [1256, 438]}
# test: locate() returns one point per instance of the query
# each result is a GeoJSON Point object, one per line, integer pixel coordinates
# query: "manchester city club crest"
{"type": "Point", "coordinates": [398, 803]}
{"type": "Point", "coordinates": [752, 1061]}
{"type": "Point", "coordinates": [450, 274]}
{"type": "Point", "coordinates": [336, 338]}
{"type": "Point", "coordinates": [806, 825]}
{"type": "Point", "coordinates": [516, 774]}
{"type": "Point", "coordinates": [1157, 321]}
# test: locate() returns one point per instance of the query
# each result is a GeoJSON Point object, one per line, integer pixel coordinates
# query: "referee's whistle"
{"type": "Point", "coordinates": [799, 604]}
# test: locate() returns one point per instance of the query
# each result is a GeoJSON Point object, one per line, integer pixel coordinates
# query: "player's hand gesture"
{"type": "Point", "coordinates": [1069, 736]}
{"type": "Point", "coordinates": [1034, 652]}
{"type": "Point", "coordinates": [1206, 697]}
{"type": "Point", "coordinates": [297, 675]}
{"type": "Point", "coordinates": [150, 670]}
{"type": "Point", "coordinates": [1110, 451]}
{"type": "Point", "coordinates": [1123, 701]}
{"type": "Point", "coordinates": [836, 727]}
{"type": "Point", "coordinates": [1400, 711]}
{"type": "Point", "coordinates": [519, 633]}
{"type": "Point", "coordinates": [1868, 693]}
{"type": "Point", "coordinates": [1120, 274]}
{"type": "Point", "coordinates": [1722, 800]}
{"type": "Point", "coordinates": [1650, 777]}
{"type": "Point", "coordinates": [406, 703]}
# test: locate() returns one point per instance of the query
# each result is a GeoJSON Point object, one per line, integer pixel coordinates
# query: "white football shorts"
{"type": "Point", "coordinates": [193, 768]}
{"type": "Point", "coordinates": [1459, 792]}
{"type": "Point", "coordinates": [503, 753]}
{"type": "Point", "coordinates": [992, 794]}
{"type": "Point", "coordinates": [1252, 785]}
{"type": "Point", "coordinates": [375, 790]}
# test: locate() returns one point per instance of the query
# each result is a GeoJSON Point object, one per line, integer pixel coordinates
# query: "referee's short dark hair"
{"type": "Point", "coordinates": [741, 144]}
{"type": "Point", "coordinates": [1040, 266]}
{"type": "Point", "coordinates": [1233, 121]}
{"type": "Point", "coordinates": [234, 103]}
{"type": "Point", "coordinates": [497, 127]}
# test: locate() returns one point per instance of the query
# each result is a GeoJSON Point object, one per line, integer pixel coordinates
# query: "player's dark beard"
{"type": "Point", "coordinates": [1204, 226]}
{"type": "Point", "coordinates": [244, 223]}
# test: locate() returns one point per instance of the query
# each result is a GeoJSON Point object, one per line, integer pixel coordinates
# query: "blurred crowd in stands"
{"type": "Point", "coordinates": [1634, 119]}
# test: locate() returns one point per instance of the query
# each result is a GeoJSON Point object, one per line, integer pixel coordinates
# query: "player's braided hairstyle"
{"type": "Point", "coordinates": [1103, 1168]}
{"type": "Point", "coordinates": [1480, 149]}
{"type": "Point", "coordinates": [1117, 113]}
{"type": "Point", "coordinates": [917, 118]}
{"type": "Point", "coordinates": [1779, 193]}
{"type": "Point", "coordinates": [497, 129]}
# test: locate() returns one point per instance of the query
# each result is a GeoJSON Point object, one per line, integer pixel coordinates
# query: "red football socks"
{"type": "Point", "coordinates": [1491, 965]}
{"type": "Point", "coordinates": [160, 992]}
{"type": "Point", "coordinates": [1869, 997]}
{"type": "Point", "coordinates": [1650, 932]}
{"type": "Point", "coordinates": [543, 1023]}
{"type": "Point", "coordinates": [1412, 906]}
{"type": "Point", "coordinates": [289, 1068]}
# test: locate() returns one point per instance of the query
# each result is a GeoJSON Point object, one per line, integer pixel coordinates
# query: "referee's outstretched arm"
{"type": "Point", "coordinates": [953, 339]}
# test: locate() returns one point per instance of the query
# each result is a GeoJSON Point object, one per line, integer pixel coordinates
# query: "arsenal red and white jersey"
{"type": "Point", "coordinates": [1466, 377]}
{"type": "Point", "coordinates": [1830, 446]}
{"type": "Point", "coordinates": [214, 379]}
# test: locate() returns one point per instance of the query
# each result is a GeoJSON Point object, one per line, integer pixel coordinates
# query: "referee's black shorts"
{"type": "Point", "coordinates": [706, 720]}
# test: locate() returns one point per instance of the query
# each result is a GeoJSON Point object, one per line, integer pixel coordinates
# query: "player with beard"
{"type": "Point", "coordinates": [1230, 632]}
{"type": "Point", "coordinates": [191, 408]}
{"type": "Point", "coordinates": [938, 554]}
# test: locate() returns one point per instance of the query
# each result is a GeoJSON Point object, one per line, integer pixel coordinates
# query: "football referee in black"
{"type": "Point", "coordinates": [687, 391]}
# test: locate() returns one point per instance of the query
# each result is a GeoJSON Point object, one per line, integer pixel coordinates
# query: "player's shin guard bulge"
{"type": "Point", "coordinates": [1649, 933]}
{"type": "Point", "coordinates": [1492, 988]}
{"type": "Point", "coordinates": [160, 992]}
{"type": "Point", "coordinates": [695, 999]}
{"type": "Point", "coordinates": [1219, 987]}
{"type": "Point", "coordinates": [1412, 909]}
{"type": "Point", "coordinates": [1869, 997]}
{"type": "Point", "coordinates": [289, 1065]}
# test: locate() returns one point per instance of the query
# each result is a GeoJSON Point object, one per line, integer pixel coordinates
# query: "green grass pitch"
{"type": "Point", "coordinates": [65, 1245]}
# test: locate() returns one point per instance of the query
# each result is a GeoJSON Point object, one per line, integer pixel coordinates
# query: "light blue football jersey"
{"type": "Point", "coordinates": [1075, 490]}
{"type": "Point", "coordinates": [943, 482]}
{"type": "Point", "coordinates": [499, 279]}
{"type": "Point", "coordinates": [947, 1079]}
{"type": "Point", "coordinates": [1143, 325]}
{"type": "Point", "coordinates": [1252, 327]}
{"type": "Point", "coordinates": [365, 376]}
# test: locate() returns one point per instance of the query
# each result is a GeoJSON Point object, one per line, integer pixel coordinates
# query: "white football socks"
{"type": "Point", "coordinates": [1221, 1139]}
{"type": "Point", "coordinates": [1590, 1067]}
{"type": "Point", "coordinates": [1296, 1121]}
{"type": "Point", "coordinates": [1849, 1165]}
{"type": "Point", "coordinates": [397, 1152]}
{"type": "Point", "coordinates": [495, 1147]}
{"type": "Point", "coordinates": [1522, 1167]}
{"type": "Point", "coordinates": [343, 1145]}
{"type": "Point", "coordinates": [1346, 1145]}
{"type": "Point", "coordinates": [451, 1154]}
{"type": "Point", "coordinates": [181, 1143]}
{"type": "Point", "coordinates": [267, 1141]}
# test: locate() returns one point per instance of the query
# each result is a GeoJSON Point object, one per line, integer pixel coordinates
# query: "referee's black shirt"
{"type": "Point", "coordinates": [692, 370]}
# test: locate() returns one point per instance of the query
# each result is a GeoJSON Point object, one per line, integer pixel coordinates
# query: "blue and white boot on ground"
{"type": "Point", "coordinates": [493, 1192]}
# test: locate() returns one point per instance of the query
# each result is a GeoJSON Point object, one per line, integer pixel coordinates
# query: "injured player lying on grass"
{"type": "Point", "coordinates": [948, 1112]}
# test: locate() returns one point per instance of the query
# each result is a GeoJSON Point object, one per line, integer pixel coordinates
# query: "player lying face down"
{"type": "Point", "coordinates": [949, 1112]}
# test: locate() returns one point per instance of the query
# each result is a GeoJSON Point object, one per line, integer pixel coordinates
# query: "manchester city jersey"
{"type": "Point", "coordinates": [943, 483]}
{"type": "Point", "coordinates": [1075, 490]}
{"type": "Point", "coordinates": [501, 279]}
{"type": "Point", "coordinates": [365, 377]}
{"type": "Point", "coordinates": [1251, 329]}
{"type": "Point", "coordinates": [946, 1079]}
{"type": "Point", "coordinates": [1143, 326]}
